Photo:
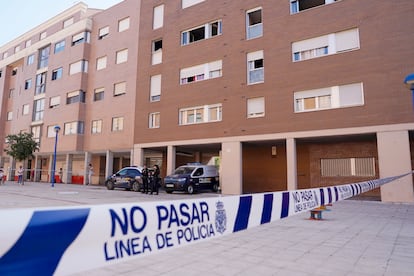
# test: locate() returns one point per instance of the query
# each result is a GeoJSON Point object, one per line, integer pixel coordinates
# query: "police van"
{"type": "Point", "coordinates": [192, 177]}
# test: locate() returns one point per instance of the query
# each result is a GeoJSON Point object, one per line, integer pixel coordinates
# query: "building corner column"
{"type": "Point", "coordinates": [291, 159]}
{"type": "Point", "coordinates": [231, 182]}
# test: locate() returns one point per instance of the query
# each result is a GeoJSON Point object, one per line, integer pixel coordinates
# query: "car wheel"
{"type": "Point", "coordinates": [110, 185]}
{"type": "Point", "coordinates": [190, 189]}
{"type": "Point", "coordinates": [215, 187]}
{"type": "Point", "coordinates": [169, 192]}
{"type": "Point", "coordinates": [135, 187]}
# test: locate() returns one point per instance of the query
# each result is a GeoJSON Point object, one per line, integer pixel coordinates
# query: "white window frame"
{"type": "Point", "coordinates": [80, 66]}
{"type": "Point", "coordinates": [201, 72]}
{"type": "Point", "coordinates": [256, 107]}
{"type": "Point", "coordinates": [30, 59]}
{"type": "Point", "coordinates": [103, 32]}
{"type": "Point", "coordinates": [120, 88]}
{"type": "Point", "coordinates": [68, 22]}
{"type": "Point", "coordinates": [96, 126]}
{"type": "Point", "coordinates": [155, 88]}
{"type": "Point", "coordinates": [124, 24]}
{"type": "Point", "coordinates": [54, 102]}
{"type": "Point", "coordinates": [98, 91]}
{"type": "Point", "coordinates": [347, 95]}
{"type": "Point", "coordinates": [9, 115]}
{"type": "Point", "coordinates": [26, 109]}
{"type": "Point", "coordinates": [186, 37]}
{"type": "Point", "coordinates": [255, 74]}
{"type": "Point", "coordinates": [254, 30]}
{"type": "Point", "coordinates": [294, 5]}
{"type": "Point", "coordinates": [82, 37]}
{"type": "Point", "coordinates": [101, 63]}
{"type": "Point", "coordinates": [57, 73]}
{"type": "Point", "coordinates": [158, 17]}
{"type": "Point", "coordinates": [121, 56]}
{"type": "Point", "coordinates": [188, 3]}
{"type": "Point", "coordinates": [154, 120]}
{"type": "Point", "coordinates": [200, 114]}
{"type": "Point", "coordinates": [156, 52]}
{"type": "Point", "coordinates": [117, 124]}
{"type": "Point", "coordinates": [73, 128]}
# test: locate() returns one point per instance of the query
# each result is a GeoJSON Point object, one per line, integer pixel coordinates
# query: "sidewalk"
{"type": "Point", "coordinates": [355, 238]}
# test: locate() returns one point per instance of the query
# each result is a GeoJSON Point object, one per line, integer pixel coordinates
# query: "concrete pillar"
{"type": "Point", "coordinates": [138, 156]}
{"type": "Point", "coordinates": [109, 165]}
{"type": "Point", "coordinates": [171, 152]}
{"type": "Point", "coordinates": [231, 181]}
{"type": "Point", "coordinates": [68, 171]}
{"type": "Point", "coordinates": [88, 158]}
{"type": "Point", "coordinates": [292, 175]}
{"type": "Point", "coordinates": [12, 168]}
{"type": "Point", "coordinates": [131, 158]}
{"type": "Point", "coordinates": [394, 159]}
{"type": "Point", "coordinates": [37, 168]}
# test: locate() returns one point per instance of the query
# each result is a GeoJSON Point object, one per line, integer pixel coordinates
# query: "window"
{"type": "Point", "coordinates": [103, 32]}
{"type": "Point", "coordinates": [9, 115]}
{"type": "Point", "coordinates": [101, 63]}
{"type": "Point", "coordinates": [79, 66]}
{"type": "Point", "coordinates": [98, 94]}
{"type": "Point", "coordinates": [38, 109]}
{"type": "Point", "coordinates": [329, 98]}
{"type": "Point", "coordinates": [189, 3]}
{"type": "Point", "coordinates": [14, 71]}
{"type": "Point", "coordinates": [158, 20]}
{"type": "Point", "coordinates": [44, 57]}
{"type": "Point", "coordinates": [51, 131]}
{"type": "Point", "coordinates": [255, 67]}
{"type": "Point", "coordinates": [154, 120]}
{"type": "Point", "coordinates": [123, 24]}
{"type": "Point", "coordinates": [117, 123]}
{"type": "Point", "coordinates": [119, 88]}
{"type": "Point", "coordinates": [54, 102]}
{"type": "Point", "coordinates": [96, 126]}
{"type": "Point", "coordinates": [326, 45]}
{"type": "Point", "coordinates": [156, 51]}
{"type": "Point", "coordinates": [121, 56]}
{"type": "Point", "coordinates": [72, 128]}
{"type": "Point", "coordinates": [28, 84]}
{"type": "Point", "coordinates": [28, 43]}
{"type": "Point", "coordinates": [57, 73]}
{"type": "Point", "coordinates": [81, 38]}
{"type": "Point", "coordinates": [301, 5]}
{"type": "Point", "coordinates": [37, 133]}
{"type": "Point", "coordinates": [155, 93]}
{"type": "Point", "coordinates": [59, 46]}
{"type": "Point", "coordinates": [67, 22]}
{"type": "Point", "coordinates": [201, 72]}
{"type": "Point", "coordinates": [25, 109]}
{"type": "Point", "coordinates": [40, 83]}
{"type": "Point", "coordinates": [30, 59]}
{"type": "Point", "coordinates": [5, 55]}
{"type": "Point", "coordinates": [206, 31]}
{"type": "Point", "coordinates": [254, 26]}
{"type": "Point", "coordinates": [75, 97]}
{"type": "Point", "coordinates": [200, 114]}
{"type": "Point", "coordinates": [43, 35]}
{"type": "Point", "coordinates": [17, 49]}
{"type": "Point", "coordinates": [338, 167]}
{"type": "Point", "coordinates": [255, 107]}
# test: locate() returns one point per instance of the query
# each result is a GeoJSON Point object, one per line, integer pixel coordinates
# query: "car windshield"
{"type": "Point", "coordinates": [184, 170]}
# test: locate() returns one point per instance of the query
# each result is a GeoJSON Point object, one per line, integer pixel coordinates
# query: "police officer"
{"type": "Point", "coordinates": [145, 179]}
{"type": "Point", "coordinates": [155, 178]}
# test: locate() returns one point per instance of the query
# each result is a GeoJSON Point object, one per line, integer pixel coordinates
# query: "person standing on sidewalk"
{"type": "Point", "coordinates": [20, 172]}
{"type": "Point", "coordinates": [155, 180]}
{"type": "Point", "coordinates": [1, 176]}
{"type": "Point", "coordinates": [90, 173]}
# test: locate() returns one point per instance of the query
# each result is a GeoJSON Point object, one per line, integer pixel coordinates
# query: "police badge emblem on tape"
{"type": "Point", "coordinates": [221, 219]}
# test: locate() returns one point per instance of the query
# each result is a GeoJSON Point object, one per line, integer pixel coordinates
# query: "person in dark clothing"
{"type": "Point", "coordinates": [155, 178]}
{"type": "Point", "coordinates": [145, 179]}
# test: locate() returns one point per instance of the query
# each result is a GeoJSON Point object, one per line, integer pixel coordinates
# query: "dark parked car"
{"type": "Point", "coordinates": [128, 178]}
{"type": "Point", "coordinates": [192, 177]}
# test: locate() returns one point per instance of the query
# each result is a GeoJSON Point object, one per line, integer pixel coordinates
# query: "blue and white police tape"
{"type": "Point", "coordinates": [63, 241]}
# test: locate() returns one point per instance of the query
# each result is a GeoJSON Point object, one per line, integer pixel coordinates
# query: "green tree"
{"type": "Point", "coordinates": [21, 146]}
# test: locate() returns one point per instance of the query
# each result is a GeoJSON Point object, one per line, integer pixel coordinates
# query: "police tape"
{"type": "Point", "coordinates": [67, 240]}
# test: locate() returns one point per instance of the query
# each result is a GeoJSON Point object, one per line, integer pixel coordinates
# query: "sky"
{"type": "Point", "coordinates": [20, 16]}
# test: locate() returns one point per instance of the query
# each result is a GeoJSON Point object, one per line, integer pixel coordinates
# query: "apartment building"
{"type": "Point", "coordinates": [289, 94]}
{"type": "Point", "coordinates": [73, 71]}
{"type": "Point", "coordinates": [280, 94]}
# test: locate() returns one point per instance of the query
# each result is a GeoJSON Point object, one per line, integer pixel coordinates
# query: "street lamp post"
{"type": "Point", "coordinates": [56, 128]}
